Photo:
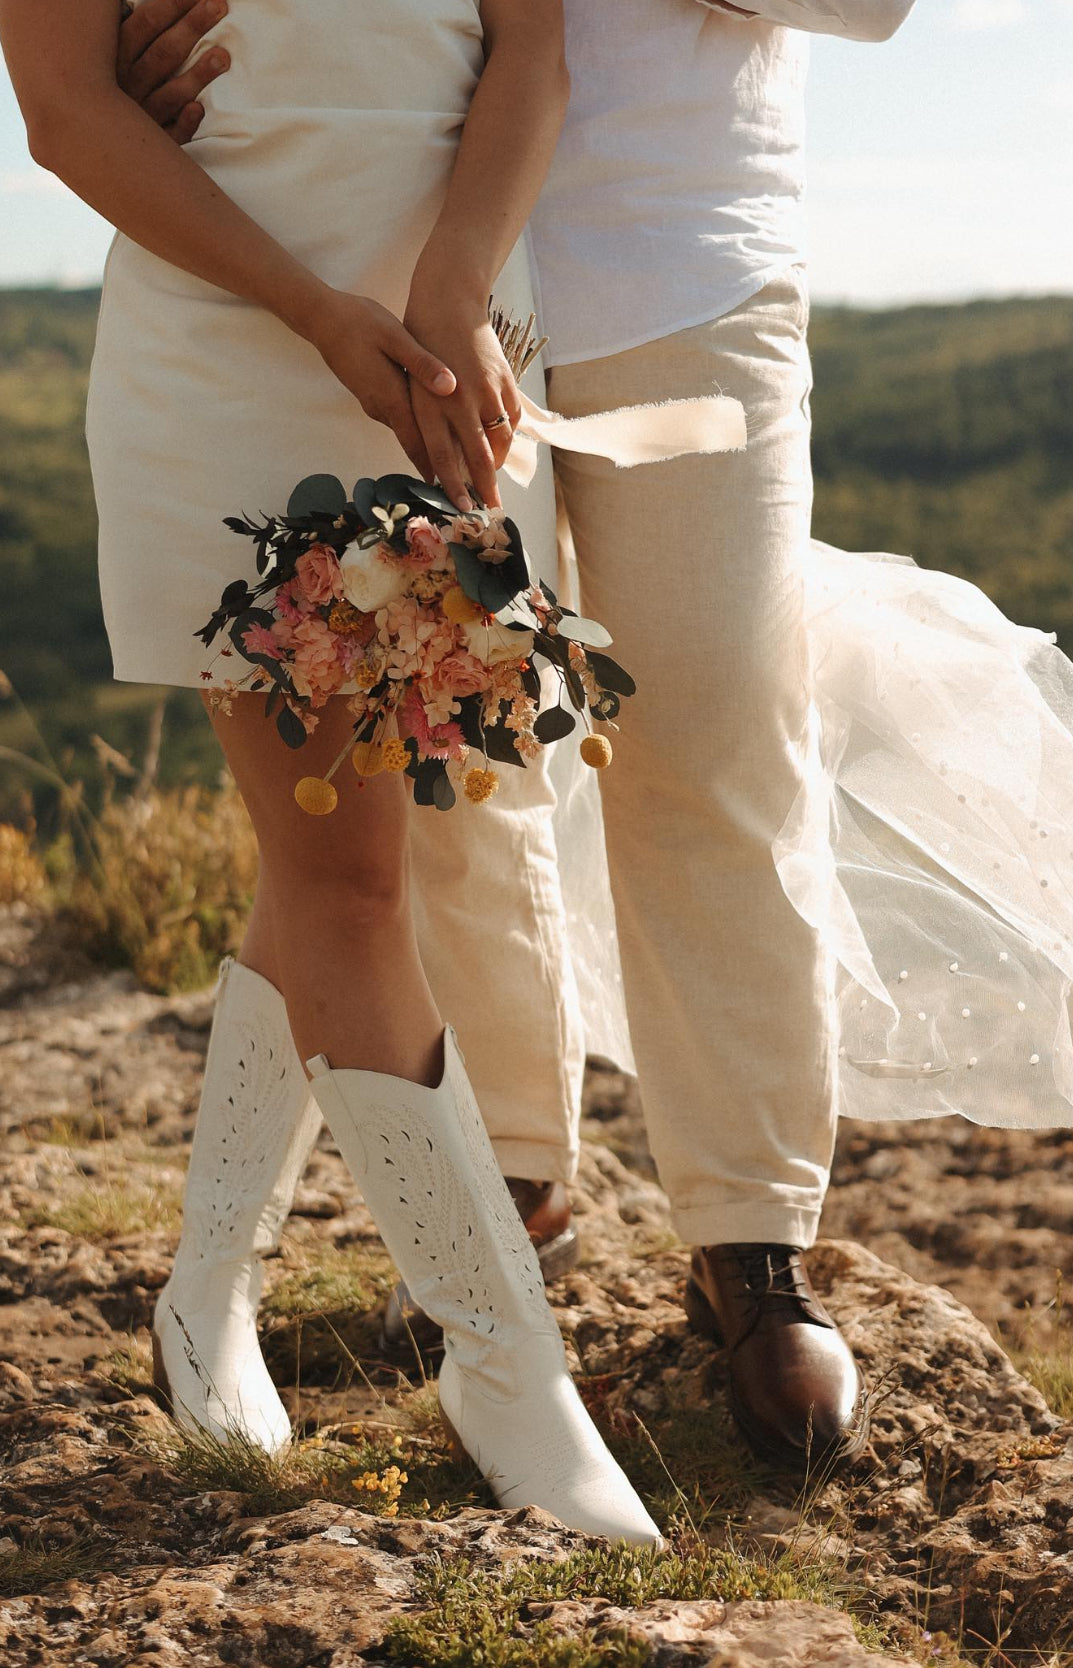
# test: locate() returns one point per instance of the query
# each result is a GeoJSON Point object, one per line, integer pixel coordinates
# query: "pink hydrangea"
{"type": "Point", "coordinates": [315, 667]}
{"type": "Point", "coordinates": [259, 639]}
{"type": "Point", "coordinates": [316, 575]}
{"type": "Point", "coordinates": [415, 639]}
{"type": "Point", "coordinates": [435, 741]}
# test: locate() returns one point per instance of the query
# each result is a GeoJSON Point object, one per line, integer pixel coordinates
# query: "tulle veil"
{"type": "Point", "coordinates": [931, 846]}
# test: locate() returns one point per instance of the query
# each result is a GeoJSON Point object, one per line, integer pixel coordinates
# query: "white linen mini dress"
{"type": "Point", "coordinates": [335, 128]}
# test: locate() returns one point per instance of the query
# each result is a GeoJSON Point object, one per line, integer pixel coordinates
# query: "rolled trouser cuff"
{"type": "Point", "coordinates": [765, 1222]}
{"type": "Point", "coordinates": [537, 1161]}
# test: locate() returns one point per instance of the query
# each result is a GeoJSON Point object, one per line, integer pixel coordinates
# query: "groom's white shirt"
{"type": "Point", "coordinates": [677, 188]}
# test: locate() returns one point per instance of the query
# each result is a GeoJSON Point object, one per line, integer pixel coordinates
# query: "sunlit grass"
{"type": "Point", "coordinates": [109, 1210]}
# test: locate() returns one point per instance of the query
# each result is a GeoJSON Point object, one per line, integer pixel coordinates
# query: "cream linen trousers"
{"type": "Point", "coordinates": [694, 566]}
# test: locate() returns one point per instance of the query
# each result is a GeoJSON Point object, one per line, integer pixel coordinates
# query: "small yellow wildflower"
{"type": "Point", "coordinates": [366, 674]}
{"type": "Point", "coordinates": [395, 755]}
{"type": "Point", "coordinates": [480, 785]}
{"type": "Point", "coordinates": [344, 617]}
{"type": "Point", "coordinates": [316, 795]}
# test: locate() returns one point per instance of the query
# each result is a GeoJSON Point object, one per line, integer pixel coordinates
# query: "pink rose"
{"type": "Point", "coordinates": [317, 576]}
{"type": "Point", "coordinates": [460, 674]}
{"type": "Point", "coordinates": [427, 546]}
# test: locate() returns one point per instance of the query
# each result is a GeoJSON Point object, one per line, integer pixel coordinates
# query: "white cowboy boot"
{"type": "Point", "coordinates": [425, 1166]}
{"type": "Point", "coordinates": [256, 1124]}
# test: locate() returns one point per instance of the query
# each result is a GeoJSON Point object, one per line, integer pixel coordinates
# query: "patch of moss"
{"type": "Point", "coordinates": [472, 1618]}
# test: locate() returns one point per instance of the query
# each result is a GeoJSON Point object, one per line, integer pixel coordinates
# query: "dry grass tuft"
{"type": "Point", "coordinates": [1049, 1365]}
{"type": "Point", "coordinates": [168, 888]}
{"type": "Point", "coordinates": [22, 874]}
{"type": "Point", "coordinates": [109, 1211]}
{"type": "Point", "coordinates": [38, 1563]}
{"type": "Point", "coordinates": [384, 1473]}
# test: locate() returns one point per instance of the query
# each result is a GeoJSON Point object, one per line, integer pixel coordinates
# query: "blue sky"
{"type": "Point", "coordinates": [941, 164]}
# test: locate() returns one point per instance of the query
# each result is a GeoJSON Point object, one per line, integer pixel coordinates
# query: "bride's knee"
{"type": "Point", "coordinates": [358, 897]}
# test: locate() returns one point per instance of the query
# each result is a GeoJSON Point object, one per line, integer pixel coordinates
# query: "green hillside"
{"type": "Point", "coordinates": [945, 432]}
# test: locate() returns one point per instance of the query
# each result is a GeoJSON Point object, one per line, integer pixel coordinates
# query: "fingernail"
{"type": "Point", "coordinates": [443, 383]}
{"type": "Point", "coordinates": [218, 60]}
{"type": "Point", "coordinates": [465, 502]}
{"type": "Point", "coordinates": [215, 8]}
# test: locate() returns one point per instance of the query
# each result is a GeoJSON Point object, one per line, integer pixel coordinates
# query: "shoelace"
{"type": "Point", "coordinates": [772, 1271]}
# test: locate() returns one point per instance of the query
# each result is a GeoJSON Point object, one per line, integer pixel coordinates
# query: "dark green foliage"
{"type": "Point", "coordinates": [946, 433]}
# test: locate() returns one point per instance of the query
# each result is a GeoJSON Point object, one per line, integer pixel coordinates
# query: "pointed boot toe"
{"type": "Point", "coordinates": [541, 1448]}
{"type": "Point", "coordinates": [425, 1165]}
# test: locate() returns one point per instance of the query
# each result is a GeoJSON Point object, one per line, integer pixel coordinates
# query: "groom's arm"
{"type": "Point", "coordinates": [854, 20]}
{"type": "Point", "coordinates": [155, 40]}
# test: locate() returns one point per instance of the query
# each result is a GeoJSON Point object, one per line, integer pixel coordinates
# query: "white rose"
{"type": "Point", "coordinates": [495, 642]}
{"type": "Point", "coordinates": [370, 581]}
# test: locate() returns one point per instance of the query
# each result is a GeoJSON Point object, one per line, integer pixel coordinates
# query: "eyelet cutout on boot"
{"type": "Point", "coordinates": [258, 1088]}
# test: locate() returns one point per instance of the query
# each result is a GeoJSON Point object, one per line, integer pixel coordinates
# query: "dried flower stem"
{"type": "Point", "coordinates": [515, 338]}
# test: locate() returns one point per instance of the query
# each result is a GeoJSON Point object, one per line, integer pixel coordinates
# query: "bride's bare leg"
{"type": "Point", "coordinates": [331, 925]}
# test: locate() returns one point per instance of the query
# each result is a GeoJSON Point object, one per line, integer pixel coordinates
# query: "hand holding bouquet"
{"type": "Point", "coordinates": [430, 624]}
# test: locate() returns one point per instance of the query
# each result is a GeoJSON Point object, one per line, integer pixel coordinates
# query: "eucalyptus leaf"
{"type": "Point", "coordinates": [443, 793]}
{"type": "Point", "coordinates": [468, 719]}
{"type": "Point", "coordinates": [425, 778]}
{"type": "Point", "coordinates": [589, 632]}
{"type": "Point", "coordinates": [553, 724]}
{"type": "Point", "coordinates": [317, 492]}
{"type": "Point", "coordinates": [290, 727]}
{"type": "Point", "coordinates": [407, 489]}
{"type": "Point", "coordinates": [610, 675]}
{"type": "Point", "coordinates": [483, 582]}
{"type": "Point", "coordinates": [499, 745]}
{"type": "Point", "coordinates": [365, 498]}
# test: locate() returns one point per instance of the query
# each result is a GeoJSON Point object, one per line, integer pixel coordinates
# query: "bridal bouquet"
{"type": "Point", "coordinates": [429, 621]}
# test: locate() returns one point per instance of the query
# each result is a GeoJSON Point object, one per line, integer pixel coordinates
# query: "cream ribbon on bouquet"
{"type": "Point", "coordinates": [630, 435]}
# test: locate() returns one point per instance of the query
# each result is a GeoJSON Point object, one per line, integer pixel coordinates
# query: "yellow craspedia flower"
{"type": "Point", "coordinates": [596, 751]}
{"type": "Point", "coordinates": [367, 758]}
{"type": "Point", "coordinates": [459, 608]}
{"type": "Point", "coordinates": [394, 755]}
{"type": "Point", "coordinates": [316, 795]}
{"type": "Point", "coordinates": [480, 785]}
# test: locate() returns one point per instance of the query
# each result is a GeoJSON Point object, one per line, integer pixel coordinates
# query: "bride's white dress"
{"type": "Point", "coordinates": [931, 846]}
{"type": "Point", "coordinates": [336, 129]}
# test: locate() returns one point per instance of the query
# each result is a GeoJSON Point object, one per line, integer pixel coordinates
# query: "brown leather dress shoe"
{"type": "Point", "coordinates": [544, 1207]}
{"type": "Point", "coordinates": [796, 1393]}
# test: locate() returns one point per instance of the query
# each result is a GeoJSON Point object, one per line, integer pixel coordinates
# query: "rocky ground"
{"type": "Point", "coordinates": [942, 1250]}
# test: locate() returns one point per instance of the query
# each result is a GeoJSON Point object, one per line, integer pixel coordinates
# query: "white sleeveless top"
{"type": "Point", "coordinates": [676, 191]}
